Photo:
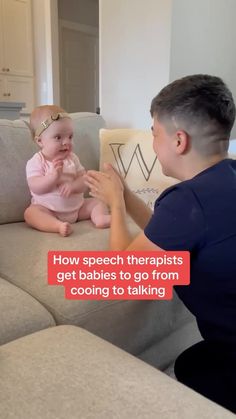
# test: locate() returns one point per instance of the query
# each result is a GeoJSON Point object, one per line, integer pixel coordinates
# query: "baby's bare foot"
{"type": "Point", "coordinates": [65, 229]}
{"type": "Point", "coordinates": [102, 221]}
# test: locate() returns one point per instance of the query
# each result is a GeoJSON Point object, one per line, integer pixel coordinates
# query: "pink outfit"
{"type": "Point", "coordinates": [63, 206]}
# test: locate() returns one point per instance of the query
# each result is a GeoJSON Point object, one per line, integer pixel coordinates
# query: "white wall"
{"type": "Point", "coordinates": [134, 58]}
{"type": "Point", "coordinates": [144, 44]}
{"type": "Point", "coordinates": [203, 40]}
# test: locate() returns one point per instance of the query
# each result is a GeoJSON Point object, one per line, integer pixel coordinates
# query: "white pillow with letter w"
{"type": "Point", "coordinates": [130, 152]}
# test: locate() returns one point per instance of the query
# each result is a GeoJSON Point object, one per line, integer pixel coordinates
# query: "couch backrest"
{"type": "Point", "coordinates": [17, 147]}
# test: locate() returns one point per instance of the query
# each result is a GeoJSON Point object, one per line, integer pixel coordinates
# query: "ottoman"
{"type": "Point", "coordinates": [67, 372]}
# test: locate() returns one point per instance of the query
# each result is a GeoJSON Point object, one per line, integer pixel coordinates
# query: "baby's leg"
{"type": "Point", "coordinates": [97, 211]}
{"type": "Point", "coordinates": [43, 219]}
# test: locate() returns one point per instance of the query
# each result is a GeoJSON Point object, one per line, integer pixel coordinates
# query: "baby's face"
{"type": "Point", "coordinates": [56, 140]}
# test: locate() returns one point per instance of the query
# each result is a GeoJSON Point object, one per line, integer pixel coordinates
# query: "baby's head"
{"type": "Point", "coordinates": [52, 130]}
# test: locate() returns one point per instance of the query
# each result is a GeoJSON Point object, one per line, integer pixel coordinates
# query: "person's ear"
{"type": "Point", "coordinates": [181, 141]}
{"type": "Point", "coordinates": [38, 141]}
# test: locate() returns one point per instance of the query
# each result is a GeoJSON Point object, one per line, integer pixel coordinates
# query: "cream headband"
{"type": "Point", "coordinates": [45, 124]}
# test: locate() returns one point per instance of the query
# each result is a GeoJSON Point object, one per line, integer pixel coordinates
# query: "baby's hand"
{"type": "Point", "coordinates": [58, 165]}
{"type": "Point", "coordinates": [66, 189]}
{"type": "Point", "coordinates": [82, 173]}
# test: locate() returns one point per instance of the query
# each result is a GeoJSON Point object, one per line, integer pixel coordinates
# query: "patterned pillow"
{"type": "Point", "coordinates": [130, 151]}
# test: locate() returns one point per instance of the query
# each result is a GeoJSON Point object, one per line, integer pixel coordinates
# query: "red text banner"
{"type": "Point", "coordinates": [125, 275]}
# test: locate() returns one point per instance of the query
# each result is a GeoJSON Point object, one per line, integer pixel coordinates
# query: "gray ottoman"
{"type": "Point", "coordinates": [66, 372]}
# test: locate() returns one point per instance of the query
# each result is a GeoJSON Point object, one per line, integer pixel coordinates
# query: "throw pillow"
{"type": "Point", "coordinates": [130, 152]}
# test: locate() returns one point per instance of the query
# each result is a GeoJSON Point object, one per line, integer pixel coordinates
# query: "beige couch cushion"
{"type": "Point", "coordinates": [132, 325]}
{"type": "Point", "coordinates": [20, 313]}
{"type": "Point", "coordinates": [65, 372]}
{"type": "Point", "coordinates": [17, 147]}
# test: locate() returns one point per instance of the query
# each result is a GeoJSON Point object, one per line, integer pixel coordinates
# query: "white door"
{"type": "Point", "coordinates": [79, 70]}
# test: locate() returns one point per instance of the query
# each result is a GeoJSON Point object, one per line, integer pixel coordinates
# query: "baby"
{"type": "Point", "coordinates": [55, 177]}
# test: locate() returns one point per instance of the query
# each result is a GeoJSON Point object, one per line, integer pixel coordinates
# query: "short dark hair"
{"type": "Point", "coordinates": [201, 104]}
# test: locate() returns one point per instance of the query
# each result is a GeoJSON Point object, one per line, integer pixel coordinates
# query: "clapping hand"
{"type": "Point", "coordinates": [106, 186]}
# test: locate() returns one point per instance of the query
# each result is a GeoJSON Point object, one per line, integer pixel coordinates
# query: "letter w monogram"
{"type": "Point", "coordinates": [116, 150]}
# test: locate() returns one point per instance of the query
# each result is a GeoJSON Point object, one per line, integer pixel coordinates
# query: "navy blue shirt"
{"type": "Point", "coordinates": [199, 215]}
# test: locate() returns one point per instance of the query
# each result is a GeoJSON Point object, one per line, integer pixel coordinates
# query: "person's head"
{"type": "Point", "coordinates": [196, 113]}
{"type": "Point", "coordinates": [52, 130]}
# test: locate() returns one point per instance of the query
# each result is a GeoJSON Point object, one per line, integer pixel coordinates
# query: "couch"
{"type": "Point", "coordinates": [80, 359]}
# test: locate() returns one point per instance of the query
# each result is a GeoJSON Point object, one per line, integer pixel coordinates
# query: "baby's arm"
{"type": "Point", "coordinates": [78, 184]}
{"type": "Point", "coordinates": [66, 177]}
{"type": "Point", "coordinates": [75, 186]}
{"type": "Point", "coordinates": [44, 184]}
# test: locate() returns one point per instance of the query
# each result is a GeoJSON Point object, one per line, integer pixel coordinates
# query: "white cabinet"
{"type": "Point", "coordinates": [16, 52]}
{"type": "Point", "coordinates": [18, 89]}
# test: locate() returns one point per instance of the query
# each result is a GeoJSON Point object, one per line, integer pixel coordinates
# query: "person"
{"type": "Point", "coordinates": [192, 120]}
{"type": "Point", "coordinates": [55, 177]}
